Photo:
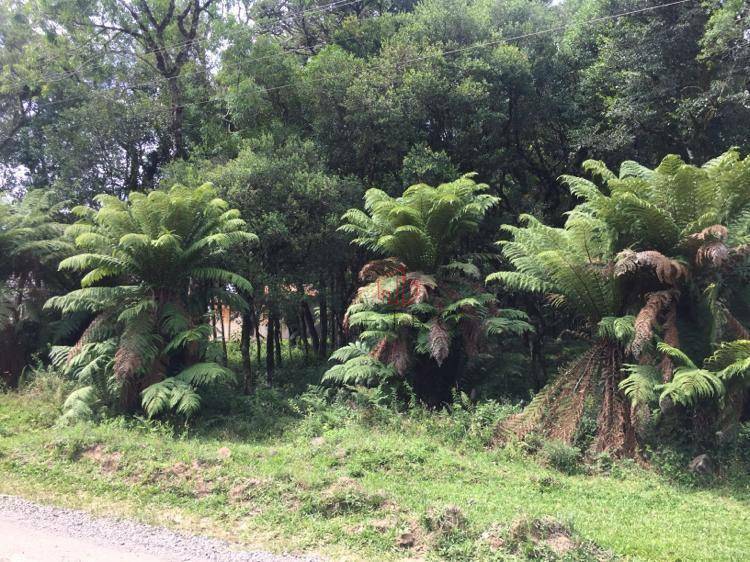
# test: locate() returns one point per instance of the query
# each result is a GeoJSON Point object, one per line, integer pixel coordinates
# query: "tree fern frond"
{"type": "Point", "coordinates": [640, 385]}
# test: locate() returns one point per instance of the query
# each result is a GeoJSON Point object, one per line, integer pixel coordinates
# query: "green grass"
{"type": "Point", "coordinates": [355, 483]}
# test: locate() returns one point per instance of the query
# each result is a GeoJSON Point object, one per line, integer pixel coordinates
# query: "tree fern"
{"type": "Point", "coordinates": [422, 303]}
{"type": "Point", "coordinates": [151, 263]}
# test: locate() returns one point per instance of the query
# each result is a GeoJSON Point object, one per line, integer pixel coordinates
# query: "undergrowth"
{"type": "Point", "coordinates": [356, 475]}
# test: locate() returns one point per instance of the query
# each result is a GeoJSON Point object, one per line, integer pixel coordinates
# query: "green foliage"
{"type": "Point", "coordinates": [423, 227]}
{"type": "Point", "coordinates": [158, 258]}
{"type": "Point", "coordinates": [636, 256]}
{"type": "Point", "coordinates": [561, 456]}
{"type": "Point", "coordinates": [640, 385]}
{"type": "Point", "coordinates": [294, 116]}
{"type": "Point", "coordinates": [422, 308]}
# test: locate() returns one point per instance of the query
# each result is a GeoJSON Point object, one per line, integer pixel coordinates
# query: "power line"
{"type": "Point", "coordinates": [406, 62]}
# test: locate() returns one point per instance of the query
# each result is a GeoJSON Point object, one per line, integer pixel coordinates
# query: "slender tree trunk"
{"type": "Point", "coordinates": [177, 116]}
{"type": "Point", "coordinates": [303, 331]}
{"type": "Point", "coordinates": [277, 336]}
{"type": "Point", "coordinates": [334, 330]}
{"type": "Point", "coordinates": [311, 326]}
{"type": "Point", "coordinates": [223, 335]}
{"type": "Point", "coordinates": [256, 327]}
{"type": "Point", "coordinates": [247, 322]}
{"type": "Point", "coordinates": [270, 341]}
{"type": "Point", "coordinates": [323, 323]}
{"type": "Point", "coordinates": [343, 305]}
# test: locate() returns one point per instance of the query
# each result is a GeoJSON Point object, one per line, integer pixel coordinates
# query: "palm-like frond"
{"type": "Point", "coordinates": [691, 385]}
{"type": "Point", "coordinates": [161, 256]}
{"type": "Point", "coordinates": [640, 385]}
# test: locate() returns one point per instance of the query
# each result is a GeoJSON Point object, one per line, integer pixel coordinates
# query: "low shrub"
{"type": "Point", "coordinates": [561, 456]}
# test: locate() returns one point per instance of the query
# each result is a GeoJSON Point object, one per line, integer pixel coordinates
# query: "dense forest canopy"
{"type": "Point", "coordinates": [142, 142]}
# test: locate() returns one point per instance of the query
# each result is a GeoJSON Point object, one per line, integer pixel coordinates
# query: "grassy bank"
{"type": "Point", "coordinates": [362, 483]}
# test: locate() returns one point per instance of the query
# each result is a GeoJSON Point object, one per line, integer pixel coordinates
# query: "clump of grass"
{"type": "Point", "coordinates": [561, 456]}
{"type": "Point", "coordinates": [547, 538]}
{"type": "Point", "coordinates": [345, 496]}
{"type": "Point", "coordinates": [71, 445]}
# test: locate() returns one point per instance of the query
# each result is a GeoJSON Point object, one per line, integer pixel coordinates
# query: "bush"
{"type": "Point", "coordinates": [561, 456]}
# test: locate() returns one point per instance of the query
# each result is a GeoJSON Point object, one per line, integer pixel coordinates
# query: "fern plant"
{"type": "Point", "coordinates": [30, 246]}
{"type": "Point", "coordinates": [422, 312]}
{"type": "Point", "coordinates": [150, 264]}
{"type": "Point", "coordinates": [641, 253]}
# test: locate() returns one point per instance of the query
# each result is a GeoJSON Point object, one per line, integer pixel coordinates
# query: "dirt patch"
{"type": "Point", "coordinates": [547, 537]}
{"type": "Point", "coordinates": [345, 495]}
{"type": "Point", "coordinates": [560, 544]}
{"type": "Point", "coordinates": [247, 490]}
{"type": "Point", "coordinates": [493, 538]}
{"type": "Point", "coordinates": [108, 462]}
{"type": "Point", "coordinates": [180, 477]}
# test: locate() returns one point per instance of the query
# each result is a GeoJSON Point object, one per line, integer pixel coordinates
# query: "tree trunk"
{"type": "Point", "coordinates": [223, 335]}
{"type": "Point", "coordinates": [12, 356]}
{"type": "Point", "coordinates": [303, 332]}
{"type": "Point", "coordinates": [247, 323]}
{"type": "Point", "coordinates": [277, 337]}
{"type": "Point", "coordinates": [311, 326]}
{"type": "Point", "coordinates": [256, 327]}
{"type": "Point", "coordinates": [334, 324]}
{"type": "Point", "coordinates": [323, 324]}
{"type": "Point", "coordinates": [270, 341]}
{"type": "Point", "coordinates": [175, 95]}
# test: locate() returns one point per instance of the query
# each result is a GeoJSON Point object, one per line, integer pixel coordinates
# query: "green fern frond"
{"type": "Point", "coordinates": [640, 385]}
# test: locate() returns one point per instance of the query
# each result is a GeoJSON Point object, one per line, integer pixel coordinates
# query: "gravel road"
{"type": "Point", "coordinates": [30, 532]}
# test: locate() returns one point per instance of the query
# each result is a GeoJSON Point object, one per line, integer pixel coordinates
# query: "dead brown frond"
{"type": "Point", "coordinates": [711, 245]}
{"type": "Point", "coordinates": [568, 409]}
{"type": "Point", "coordinates": [557, 409]}
{"type": "Point", "coordinates": [393, 352]}
{"type": "Point", "coordinates": [713, 232]}
{"type": "Point", "coordinates": [439, 341]}
{"type": "Point", "coordinates": [419, 286]}
{"type": "Point", "coordinates": [712, 253]}
{"type": "Point", "coordinates": [387, 267]}
{"type": "Point", "coordinates": [671, 337]}
{"type": "Point", "coordinates": [735, 327]}
{"type": "Point", "coordinates": [667, 270]}
{"type": "Point", "coordinates": [657, 303]}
